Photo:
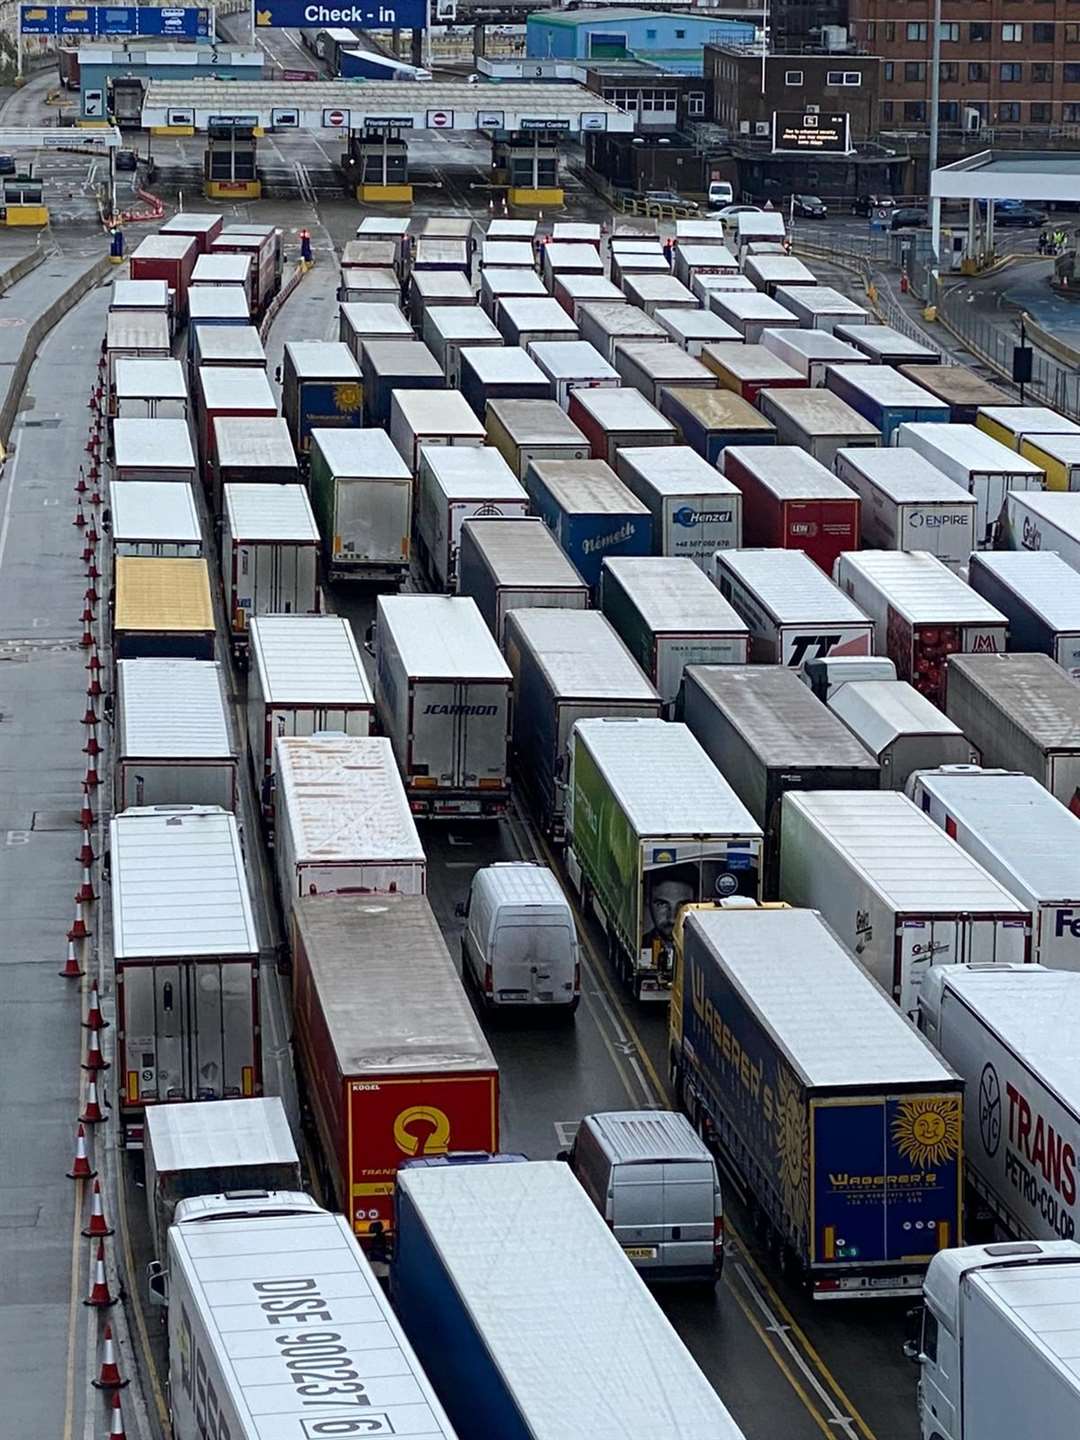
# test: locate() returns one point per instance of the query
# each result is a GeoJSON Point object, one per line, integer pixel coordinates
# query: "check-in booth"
{"type": "Point", "coordinates": [377, 164]}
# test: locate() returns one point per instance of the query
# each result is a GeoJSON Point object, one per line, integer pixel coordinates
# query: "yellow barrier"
{"type": "Point", "coordinates": [524, 195]}
{"type": "Point", "coordinates": [385, 194]}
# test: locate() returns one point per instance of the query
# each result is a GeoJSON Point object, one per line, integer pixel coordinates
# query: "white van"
{"type": "Point", "coordinates": [720, 194]}
{"type": "Point", "coordinates": [655, 1183]}
{"type": "Point", "coordinates": [520, 946]}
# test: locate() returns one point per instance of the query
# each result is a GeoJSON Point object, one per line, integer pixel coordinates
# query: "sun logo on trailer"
{"type": "Point", "coordinates": [347, 399]}
{"type": "Point", "coordinates": [927, 1132]}
{"type": "Point", "coordinates": [792, 1147]}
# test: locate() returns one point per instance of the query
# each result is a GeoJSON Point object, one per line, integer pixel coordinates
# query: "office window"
{"type": "Point", "coordinates": [852, 77]}
{"type": "Point", "coordinates": [949, 112]}
{"type": "Point", "coordinates": [919, 30]}
{"type": "Point", "coordinates": [1042, 74]}
{"type": "Point", "coordinates": [914, 109]}
{"type": "Point", "coordinates": [1070, 114]}
{"type": "Point", "coordinates": [1072, 34]}
{"type": "Point", "coordinates": [1012, 34]}
{"type": "Point", "coordinates": [680, 34]}
{"type": "Point", "coordinates": [1012, 73]}
{"type": "Point", "coordinates": [890, 30]}
{"type": "Point", "coordinates": [843, 77]}
{"type": "Point", "coordinates": [978, 33]}
{"type": "Point", "coordinates": [888, 68]}
{"type": "Point", "coordinates": [950, 30]}
{"type": "Point", "coordinates": [1009, 110]}
{"type": "Point", "coordinates": [1043, 34]}
{"type": "Point", "coordinates": [886, 110]}
{"type": "Point", "coordinates": [950, 72]}
{"type": "Point", "coordinates": [1071, 74]}
{"type": "Point", "coordinates": [1040, 113]}
{"type": "Point", "coordinates": [976, 71]}
{"type": "Point", "coordinates": [695, 102]}
{"type": "Point", "coordinates": [793, 77]}
{"type": "Point", "coordinates": [914, 70]}
{"type": "Point", "coordinates": [871, 27]}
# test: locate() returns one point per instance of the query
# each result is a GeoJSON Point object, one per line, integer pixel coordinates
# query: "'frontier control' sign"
{"type": "Point", "coordinates": [810, 133]}
{"type": "Point", "coordinates": [364, 15]}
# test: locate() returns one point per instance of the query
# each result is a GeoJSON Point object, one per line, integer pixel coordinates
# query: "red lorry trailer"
{"type": "Point", "coordinates": [791, 502]}
{"type": "Point", "coordinates": [170, 258]}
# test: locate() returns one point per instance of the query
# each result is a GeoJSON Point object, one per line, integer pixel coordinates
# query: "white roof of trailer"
{"type": "Point", "coordinates": [571, 1327]}
{"type": "Point", "coordinates": [139, 295]}
{"type": "Point", "coordinates": [623, 409]}
{"type": "Point", "coordinates": [137, 330]}
{"type": "Point", "coordinates": [901, 853]}
{"type": "Point", "coordinates": [164, 246]}
{"type": "Point", "coordinates": [793, 588]}
{"type": "Point", "coordinates": [971, 447]}
{"type": "Point", "coordinates": [504, 229]}
{"type": "Point", "coordinates": [750, 362]}
{"type": "Point", "coordinates": [343, 799]}
{"type": "Point", "coordinates": [1030, 420]}
{"type": "Point", "coordinates": [696, 324]}
{"type": "Point", "coordinates": [503, 364]}
{"type": "Point", "coordinates": [217, 302]}
{"type": "Point", "coordinates": [884, 337]}
{"type": "Point", "coordinates": [254, 440]}
{"type": "Point", "coordinates": [178, 884]}
{"type": "Point", "coordinates": [621, 318]}
{"type": "Point", "coordinates": [462, 322]}
{"type": "Point", "coordinates": [586, 487]}
{"type": "Point", "coordinates": [221, 269]}
{"type": "Point", "coordinates": [377, 319]}
{"type": "Point", "coordinates": [572, 360]}
{"type": "Point", "coordinates": [219, 344]}
{"type": "Point", "coordinates": [466, 472]}
{"type": "Point", "coordinates": [524, 312]}
{"type": "Point", "coordinates": [437, 412]}
{"type": "Point", "coordinates": [591, 287]}
{"type": "Point", "coordinates": [819, 300]}
{"type": "Point", "coordinates": [237, 387]}
{"type": "Point", "coordinates": [780, 270]}
{"type": "Point", "coordinates": [582, 655]}
{"type": "Point", "coordinates": [442, 637]}
{"type": "Point", "coordinates": [191, 222]}
{"type": "Point", "coordinates": [672, 592]}
{"type": "Point", "coordinates": [676, 470]}
{"type": "Point", "coordinates": [152, 444]}
{"type": "Point", "coordinates": [796, 977]}
{"type": "Point", "coordinates": [322, 359]}
{"type": "Point", "coordinates": [752, 305]}
{"type": "Point", "coordinates": [789, 473]}
{"type": "Point", "coordinates": [172, 710]}
{"type": "Point", "coordinates": [879, 711]}
{"type": "Point", "coordinates": [308, 660]}
{"type": "Point", "coordinates": [666, 783]}
{"type": "Point", "coordinates": [371, 278]}
{"type": "Point", "coordinates": [1064, 447]}
{"type": "Point", "coordinates": [447, 284]}
{"type": "Point", "coordinates": [1034, 692]}
{"type": "Point", "coordinates": [1060, 508]}
{"type": "Point", "coordinates": [360, 454]}
{"type": "Point", "coordinates": [270, 513]}
{"type": "Point", "coordinates": [818, 345]}
{"type": "Point", "coordinates": [577, 231]}
{"type": "Point", "coordinates": [151, 511]}
{"type": "Point", "coordinates": [1048, 584]}
{"type": "Point", "coordinates": [905, 477]}
{"type": "Point", "coordinates": [699, 230]}
{"type": "Point", "coordinates": [920, 587]}
{"type": "Point", "coordinates": [383, 225]}
{"type": "Point", "coordinates": [520, 550]}
{"type": "Point", "coordinates": [886, 386]}
{"type": "Point", "coordinates": [254, 1131]}
{"type": "Point", "coordinates": [664, 288]}
{"type": "Point", "coordinates": [513, 254]}
{"type": "Point", "coordinates": [573, 256]}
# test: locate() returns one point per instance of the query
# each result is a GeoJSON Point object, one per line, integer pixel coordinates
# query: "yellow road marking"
{"type": "Point", "coordinates": [781, 1364]}
{"type": "Point", "coordinates": [137, 1307]}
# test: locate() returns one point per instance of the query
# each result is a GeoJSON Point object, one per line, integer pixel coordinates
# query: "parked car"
{"type": "Point", "coordinates": [809, 206]}
{"type": "Point", "coordinates": [1022, 216]}
{"type": "Point", "coordinates": [867, 204]}
{"type": "Point", "coordinates": [730, 211]}
{"type": "Point", "coordinates": [127, 160]}
{"type": "Point", "coordinates": [907, 218]}
{"type": "Point", "coordinates": [7, 165]}
{"type": "Point", "coordinates": [669, 197]}
{"type": "Point", "coordinates": [720, 194]}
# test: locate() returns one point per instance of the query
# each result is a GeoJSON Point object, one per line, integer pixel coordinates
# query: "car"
{"type": "Point", "coordinates": [809, 206]}
{"type": "Point", "coordinates": [7, 165]}
{"type": "Point", "coordinates": [669, 197]}
{"type": "Point", "coordinates": [867, 204]}
{"type": "Point", "coordinates": [127, 160]}
{"type": "Point", "coordinates": [1022, 216]}
{"type": "Point", "coordinates": [907, 218]}
{"type": "Point", "coordinates": [730, 211]}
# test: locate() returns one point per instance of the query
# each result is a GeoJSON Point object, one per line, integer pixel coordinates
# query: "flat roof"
{"type": "Point", "coordinates": [1009, 175]}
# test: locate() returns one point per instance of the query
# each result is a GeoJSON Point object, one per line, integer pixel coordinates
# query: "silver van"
{"type": "Point", "coordinates": [654, 1181]}
{"type": "Point", "coordinates": [520, 945]}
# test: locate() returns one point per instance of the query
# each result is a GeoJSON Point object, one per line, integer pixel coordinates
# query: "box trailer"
{"type": "Point", "coordinates": [606, 325]}
{"type": "Point", "coordinates": [590, 511]}
{"type": "Point", "coordinates": [525, 431]}
{"type": "Point", "coordinates": [751, 313]}
{"type": "Point", "coordinates": [442, 693]}
{"type": "Point", "coordinates": [902, 729]}
{"type": "Point", "coordinates": [148, 518]}
{"type": "Point", "coordinates": [922, 614]}
{"type": "Point", "coordinates": [500, 373]}
{"type": "Point", "coordinates": [1021, 836]}
{"type": "Point", "coordinates": [204, 228]}
{"type": "Point", "coordinates": [523, 320]}
{"type": "Point", "coordinates": [694, 257]}
{"type": "Point", "coordinates": [453, 287]}
{"type": "Point", "coordinates": [514, 563]}
{"type": "Point", "coordinates": [170, 258]}
{"type": "Point", "coordinates": [658, 292]}
{"type": "Point", "coordinates": [651, 367]}
{"type": "Point", "coordinates": [391, 1054]}
{"type": "Point", "coordinates": [820, 307]}
{"type": "Point", "coordinates": [794, 611]}
{"type": "Point", "coordinates": [1039, 594]}
{"type": "Point", "coordinates": [1011, 425]}
{"type": "Point", "coordinates": [141, 295]}
{"type": "Point", "coordinates": [502, 228]}
{"type": "Point", "coordinates": [577, 232]}
{"type": "Point", "coordinates": [693, 329]}
{"type": "Point", "coordinates": [1011, 1033]}
{"type": "Point", "coordinates": [581, 1298]}
{"type": "Point", "coordinates": [900, 894]}
{"type": "Point", "coordinates": [791, 502]}
{"type": "Point", "coordinates": [507, 254]}
{"type": "Point", "coordinates": [153, 450]}
{"type": "Point", "coordinates": [695, 510]}
{"type": "Point", "coordinates": [748, 369]}
{"type": "Point", "coordinates": [342, 821]}
{"type": "Point", "coordinates": [908, 504]}
{"type": "Point", "coordinates": [391, 365]}
{"type": "Point", "coordinates": [253, 449]}
{"type": "Point", "coordinates": [711, 420]}
{"type": "Point", "coordinates": [706, 284]}
{"type": "Point", "coordinates": [816, 420]}
{"type": "Point", "coordinates": [283, 1254]}
{"type": "Point", "coordinates": [572, 365]}
{"type": "Point", "coordinates": [1023, 713]}
{"type": "Point", "coordinates": [365, 321]}
{"type": "Point", "coordinates": [979, 464]}
{"type": "Point", "coordinates": [229, 345]}
{"type": "Point", "coordinates": [443, 252]}
{"type": "Point", "coordinates": [455, 485]}
{"type": "Point", "coordinates": [227, 271]}
{"type": "Point", "coordinates": [810, 352]}
{"type": "Point", "coordinates": [567, 667]}
{"type": "Point", "coordinates": [1058, 456]}
{"type": "Point", "coordinates": [394, 228]}
{"type": "Point", "coordinates": [150, 390]}
{"type": "Point", "coordinates": [306, 677]}
{"type": "Point", "coordinates": [767, 734]}
{"type": "Point", "coordinates": [886, 398]}
{"type": "Point", "coordinates": [1043, 521]}
{"type": "Point", "coordinates": [371, 252]}
{"type": "Point", "coordinates": [627, 263]}
{"type": "Point", "coordinates": [171, 743]}
{"type": "Point", "coordinates": [882, 345]}
{"type": "Point", "coordinates": [361, 285]}
{"type": "Point", "coordinates": [186, 953]}
{"type": "Point", "coordinates": [227, 390]}
{"type": "Point", "coordinates": [320, 387]}
{"type": "Point", "coordinates": [866, 1206]}
{"type": "Point", "coordinates": [422, 420]}
{"type": "Point", "coordinates": [670, 615]}
{"type": "Point", "coordinates": [767, 272]}
{"type": "Point", "coordinates": [558, 258]}
{"type": "Point", "coordinates": [495, 286]}
{"type": "Point", "coordinates": [263, 244]}
{"type": "Point", "coordinates": [191, 1151]}
{"type": "Point", "coordinates": [361, 492]}
{"type": "Point", "coordinates": [574, 290]}
{"type": "Point", "coordinates": [449, 329]}
{"type": "Point", "coordinates": [611, 419]}
{"type": "Point", "coordinates": [162, 607]}
{"type": "Point", "coordinates": [133, 335]}
{"type": "Point", "coordinates": [269, 555]}
{"type": "Point", "coordinates": [963, 391]}
{"type": "Point", "coordinates": [651, 824]}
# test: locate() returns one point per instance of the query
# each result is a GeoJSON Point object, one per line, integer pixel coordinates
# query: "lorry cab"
{"type": "Point", "coordinates": [520, 946]}
{"type": "Point", "coordinates": [656, 1184]}
{"type": "Point", "coordinates": [824, 677]}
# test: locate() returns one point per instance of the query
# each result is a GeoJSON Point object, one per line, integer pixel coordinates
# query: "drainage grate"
{"type": "Point", "coordinates": [55, 820]}
{"type": "Point", "coordinates": [40, 422]}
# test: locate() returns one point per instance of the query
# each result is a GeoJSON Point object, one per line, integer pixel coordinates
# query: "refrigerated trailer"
{"type": "Point", "coordinates": [523, 320]}
{"type": "Point", "coordinates": [449, 329]}
{"type": "Point", "coordinates": [902, 729]}
{"type": "Point", "coordinates": [393, 1060]}
{"type": "Point", "coordinates": [886, 398]}
{"type": "Point", "coordinates": [171, 744]}
{"type": "Point", "coordinates": [658, 292]}
{"type": "Point", "coordinates": [794, 611]}
{"type": "Point", "coordinates": [500, 372]}
{"type": "Point", "coordinates": [269, 555]}
{"type": "Point", "coordinates": [899, 893]}
{"type": "Point", "coordinates": [162, 607]}
{"type": "Point", "coordinates": [525, 431]}
{"type": "Point", "coordinates": [1058, 455]}
{"type": "Point", "coordinates": [923, 613]}
{"type": "Point", "coordinates": [495, 287]}
{"type": "Point", "coordinates": [153, 450]}
{"type": "Point", "coordinates": [442, 692]}
{"type": "Point", "coordinates": [816, 420]}
{"type": "Point", "coordinates": [567, 667]}
{"type": "Point", "coordinates": [514, 563]}
{"type": "Point", "coordinates": [361, 492]}
{"type": "Point", "coordinates": [590, 512]}
{"type": "Point", "coordinates": [1013, 424]}
{"type": "Point", "coordinates": [791, 502]}
{"type": "Point", "coordinates": [651, 824]}
{"type": "Point", "coordinates": [979, 464]}
{"type": "Point", "coordinates": [882, 345]}
{"type": "Point", "coordinates": [908, 504]}
{"type": "Point", "coordinates": [820, 307]}
{"type": "Point", "coordinates": [695, 510]}
{"type": "Point", "coordinates": [572, 291]}
{"type": "Point", "coordinates": [749, 369]}
{"type": "Point", "coordinates": [572, 365]}
{"type": "Point", "coordinates": [253, 448]}
{"type": "Point", "coordinates": [186, 952]}
{"type": "Point", "coordinates": [1023, 713]}
{"type": "Point", "coordinates": [692, 330]}
{"type": "Point", "coordinates": [429, 419]}
{"type": "Point", "coordinates": [150, 390]}
{"type": "Point", "coordinates": [390, 365]}
{"type": "Point", "coordinates": [811, 352]}
{"type": "Point", "coordinates": [751, 313]}
{"type": "Point", "coordinates": [148, 518]}
{"type": "Point", "coordinates": [1039, 594]}
{"type": "Point", "coordinates": [228, 345]}
{"type": "Point", "coordinates": [606, 324]}
{"type": "Point", "coordinates": [454, 485]}
{"type": "Point", "coordinates": [1022, 836]}
{"type": "Point", "coordinates": [773, 1023]}
{"type": "Point", "coordinates": [1050, 521]}
{"type": "Point", "coordinates": [320, 386]}
{"type": "Point", "coordinates": [364, 321]}
{"type": "Point", "coordinates": [611, 419]}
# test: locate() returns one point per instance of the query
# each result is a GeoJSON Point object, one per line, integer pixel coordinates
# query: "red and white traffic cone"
{"type": "Point", "coordinates": [88, 615]}
{"type": "Point", "coordinates": [90, 593]}
{"type": "Point", "coordinates": [85, 893]}
{"type": "Point", "coordinates": [95, 1060]}
{"type": "Point", "coordinates": [100, 1297]}
{"type": "Point", "coordinates": [92, 572]}
{"type": "Point", "coordinates": [78, 929]}
{"type": "Point", "coordinates": [88, 552]}
{"type": "Point", "coordinates": [91, 779]}
{"type": "Point", "coordinates": [92, 536]}
{"type": "Point", "coordinates": [97, 1227]}
{"type": "Point", "coordinates": [71, 970]}
{"type": "Point", "coordinates": [94, 664]}
{"type": "Point", "coordinates": [86, 854]}
{"type": "Point", "coordinates": [93, 687]}
{"type": "Point", "coordinates": [91, 1114]}
{"type": "Point", "coordinates": [92, 747]}
{"type": "Point", "coordinates": [80, 519]}
{"type": "Point", "coordinates": [87, 636]}
{"type": "Point", "coordinates": [109, 1377]}
{"type": "Point", "coordinates": [86, 813]}
{"type": "Point", "coordinates": [90, 715]}
{"type": "Point", "coordinates": [94, 1018]}
{"type": "Point", "coordinates": [116, 1426]}
{"type": "Point", "coordinates": [80, 485]}
{"type": "Point", "coordinates": [80, 1166]}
